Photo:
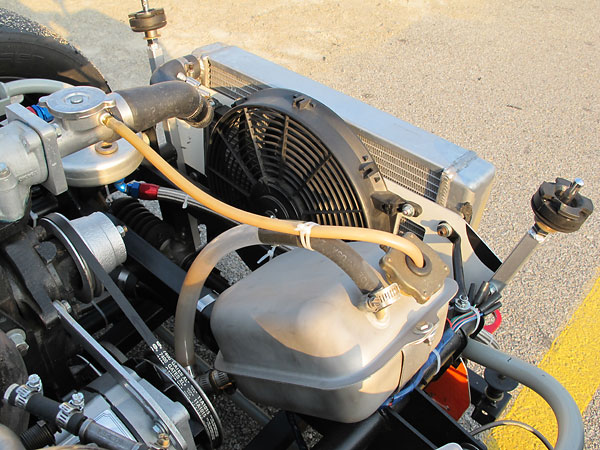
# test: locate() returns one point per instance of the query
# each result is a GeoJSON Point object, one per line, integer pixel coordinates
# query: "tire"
{"type": "Point", "coordinates": [30, 50]}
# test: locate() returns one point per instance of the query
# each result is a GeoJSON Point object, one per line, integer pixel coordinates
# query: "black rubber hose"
{"type": "Point", "coordinates": [168, 71]}
{"type": "Point", "coordinates": [453, 348]}
{"type": "Point", "coordinates": [91, 431]}
{"type": "Point", "coordinates": [457, 263]}
{"type": "Point", "coordinates": [150, 105]}
{"type": "Point", "coordinates": [43, 407]}
{"type": "Point", "coordinates": [77, 424]}
{"type": "Point", "coordinates": [344, 256]}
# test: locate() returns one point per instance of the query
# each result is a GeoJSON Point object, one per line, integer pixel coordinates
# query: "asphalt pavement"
{"type": "Point", "coordinates": [517, 82]}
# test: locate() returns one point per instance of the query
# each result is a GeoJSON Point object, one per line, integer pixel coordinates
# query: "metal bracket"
{"type": "Point", "coordinates": [27, 265]}
{"type": "Point", "coordinates": [57, 181]}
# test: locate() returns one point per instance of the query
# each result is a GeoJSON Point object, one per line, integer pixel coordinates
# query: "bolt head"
{"type": "Point", "coordinates": [23, 348]}
{"type": "Point", "coordinates": [57, 130]}
{"type": "Point", "coordinates": [462, 303]}
{"type": "Point", "coordinates": [4, 170]}
{"type": "Point", "coordinates": [122, 229]}
{"type": "Point", "coordinates": [163, 440]}
{"type": "Point", "coordinates": [18, 337]}
{"type": "Point", "coordinates": [423, 327]}
{"type": "Point", "coordinates": [408, 210]}
{"type": "Point", "coordinates": [67, 306]}
{"type": "Point", "coordinates": [444, 229]}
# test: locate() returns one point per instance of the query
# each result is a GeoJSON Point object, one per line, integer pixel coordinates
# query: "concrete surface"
{"type": "Point", "coordinates": [517, 82]}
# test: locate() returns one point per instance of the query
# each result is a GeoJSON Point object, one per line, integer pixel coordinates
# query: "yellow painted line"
{"type": "Point", "coordinates": [574, 361]}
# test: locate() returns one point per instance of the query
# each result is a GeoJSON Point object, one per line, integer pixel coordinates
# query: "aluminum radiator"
{"type": "Point", "coordinates": [409, 156]}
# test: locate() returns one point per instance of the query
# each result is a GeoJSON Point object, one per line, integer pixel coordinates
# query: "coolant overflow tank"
{"type": "Point", "coordinates": [292, 336]}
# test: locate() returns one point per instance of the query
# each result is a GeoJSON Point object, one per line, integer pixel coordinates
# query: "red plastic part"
{"type": "Point", "coordinates": [492, 327]}
{"type": "Point", "coordinates": [148, 191]}
{"type": "Point", "coordinates": [451, 391]}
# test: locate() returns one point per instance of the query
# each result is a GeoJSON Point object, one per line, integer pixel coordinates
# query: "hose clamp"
{"type": "Point", "coordinates": [382, 298]}
{"type": "Point", "coordinates": [65, 411]}
{"type": "Point", "coordinates": [23, 394]}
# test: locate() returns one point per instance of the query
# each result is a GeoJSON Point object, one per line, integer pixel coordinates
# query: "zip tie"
{"type": "Point", "coordinates": [270, 253]}
{"type": "Point", "coordinates": [185, 202]}
{"type": "Point", "coordinates": [472, 308]}
{"type": "Point", "coordinates": [34, 218]}
{"type": "Point", "coordinates": [438, 359]}
{"type": "Point", "coordinates": [304, 229]}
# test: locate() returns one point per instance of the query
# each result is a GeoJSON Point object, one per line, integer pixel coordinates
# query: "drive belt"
{"type": "Point", "coordinates": [196, 398]}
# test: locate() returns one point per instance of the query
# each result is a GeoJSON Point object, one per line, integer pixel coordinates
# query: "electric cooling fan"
{"type": "Point", "coordinates": [282, 154]}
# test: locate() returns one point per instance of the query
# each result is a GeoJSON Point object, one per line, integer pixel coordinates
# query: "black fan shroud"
{"type": "Point", "coordinates": [283, 154]}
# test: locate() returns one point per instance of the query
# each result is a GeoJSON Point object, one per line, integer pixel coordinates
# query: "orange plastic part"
{"type": "Point", "coordinates": [451, 391]}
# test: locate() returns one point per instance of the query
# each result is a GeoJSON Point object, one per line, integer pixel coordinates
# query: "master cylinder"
{"type": "Point", "coordinates": [295, 335]}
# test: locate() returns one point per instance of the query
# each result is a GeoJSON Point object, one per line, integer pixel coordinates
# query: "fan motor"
{"type": "Point", "coordinates": [283, 154]}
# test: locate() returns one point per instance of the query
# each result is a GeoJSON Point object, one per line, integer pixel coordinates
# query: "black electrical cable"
{"type": "Point", "coordinates": [489, 300]}
{"type": "Point", "coordinates": [515, 423]}
{"type": "Point", "coordinates": [491, 308]}
{"type": "Point", "coordinates": [457, 263]}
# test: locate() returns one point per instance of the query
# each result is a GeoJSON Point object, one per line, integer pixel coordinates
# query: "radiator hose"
{"type": "Point", "coordinates": [149, 105]}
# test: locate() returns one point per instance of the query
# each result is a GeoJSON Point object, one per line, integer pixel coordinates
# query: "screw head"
{"type": "Point", "coordinates": [78, 400]}
{"type": "Point", "coordinates": [34, 382]}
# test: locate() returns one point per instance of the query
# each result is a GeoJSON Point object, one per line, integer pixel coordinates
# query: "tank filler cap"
{"type": "Point", "coordinates": [79, 106]}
